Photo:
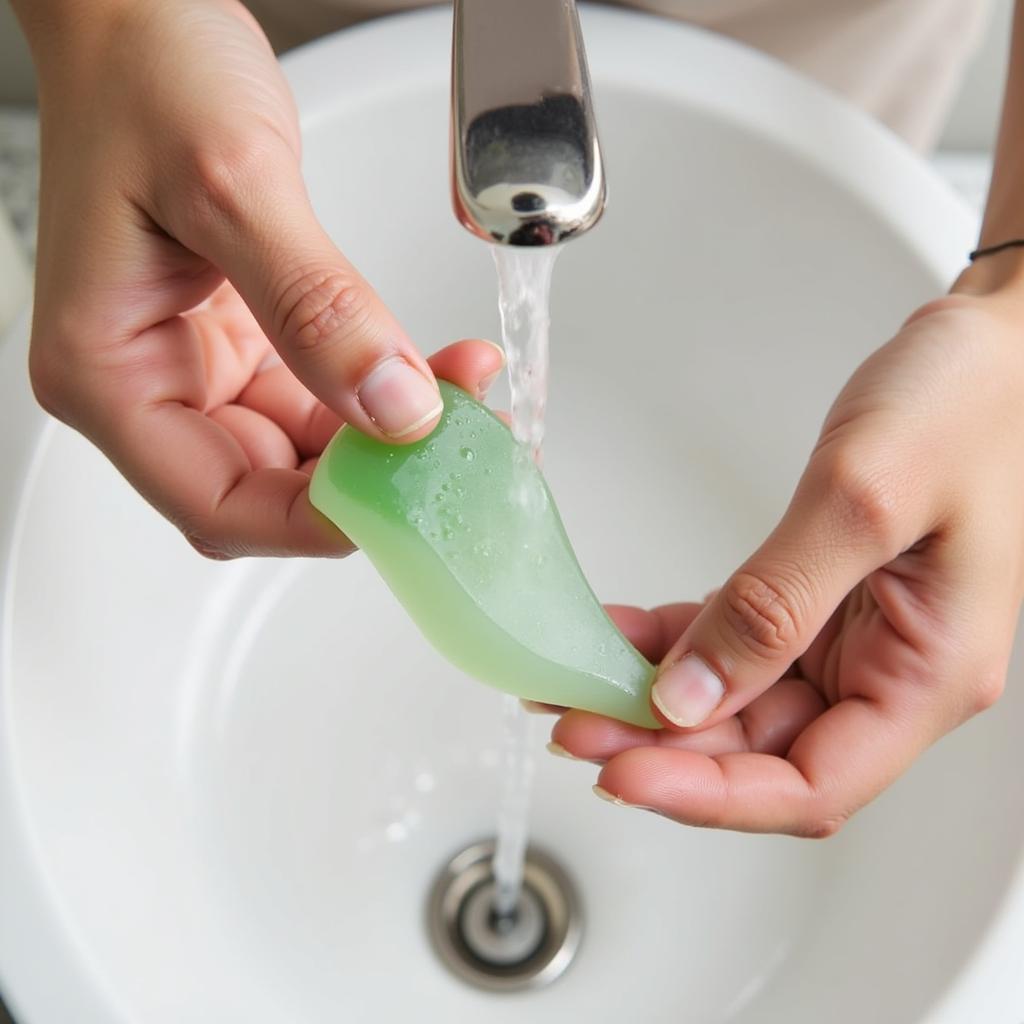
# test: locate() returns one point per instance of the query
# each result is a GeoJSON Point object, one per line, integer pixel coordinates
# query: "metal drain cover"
{"type": "Point", "coordinates": [527, 949]}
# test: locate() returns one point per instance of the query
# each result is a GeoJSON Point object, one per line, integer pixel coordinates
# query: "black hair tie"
{"type": "Point", "coordinates": [991, 250]}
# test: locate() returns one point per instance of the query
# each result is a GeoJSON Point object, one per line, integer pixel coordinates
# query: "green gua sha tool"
{"type": "Point", "coordinates": [463, 529]}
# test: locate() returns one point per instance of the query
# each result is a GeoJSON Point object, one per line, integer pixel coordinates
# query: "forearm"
{"type": "Point", "coordinates": [1004, 212]}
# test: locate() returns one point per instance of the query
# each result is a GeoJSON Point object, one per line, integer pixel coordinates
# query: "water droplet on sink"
{"type": "Point", "coordinates": [468, 454]}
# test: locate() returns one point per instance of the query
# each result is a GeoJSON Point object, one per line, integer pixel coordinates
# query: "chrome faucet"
{"type": "Point", "coordinates": [526, 164]}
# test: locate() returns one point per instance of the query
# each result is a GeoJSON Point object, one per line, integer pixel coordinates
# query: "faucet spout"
{"type": "Point", "coordinates": [526, 163]}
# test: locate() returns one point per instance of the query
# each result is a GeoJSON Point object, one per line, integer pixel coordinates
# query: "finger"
{"type": "Point", "coordinates": [324, 319]}
{"type": "Point", "coordinates": [768, 725]}
{"type": "Point", "coordinates": [231, 345]}
{"type": "Point", "coordinates": [265, 444]}
{"type": "Point", "coordinates": [197, 472]}
{"type": "Point", "coordinates": [842, 760]}
{"type": "Point", "coordinates": [640, 626]}
{"type": "Point", "coordinates": [842, 524]}
{"type": "Point", "coordinates": [279, 395]}
{"type": "Point", "coordinates": [473, 365]}
{"type": "Point", "coordinates": [204, 483]}
{"type": "Point", "coordinates": [652, 631]}
{"type": "Point", "coordinates": [648, 630]}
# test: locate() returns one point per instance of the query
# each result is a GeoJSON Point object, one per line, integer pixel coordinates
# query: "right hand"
{"type": "Point", "coordinates": [177, 251]}
{"type": "Point", "coordinates": [877, 616]}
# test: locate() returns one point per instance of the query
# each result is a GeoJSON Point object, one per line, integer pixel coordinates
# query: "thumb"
{"type": "Point", "coordinates": [256, 224]}
{"type": "Point", "coordinates": [841, 525]}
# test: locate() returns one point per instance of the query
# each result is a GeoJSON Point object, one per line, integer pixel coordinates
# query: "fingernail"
{"type": "Point", "coordinates": [559, 751]}
{"type": "Point", "coordinates": [619, 802]}
{"type": "Point", "coordinates": [532, 707]}
{"type": "Point", "coordinates": [494, 344]}
{"type": "Point", "coordinates": [687, 692]}
{"type": "Point", "coordinates": [485, 385]}
{"type": "Point", "coordinates": [398, 398]}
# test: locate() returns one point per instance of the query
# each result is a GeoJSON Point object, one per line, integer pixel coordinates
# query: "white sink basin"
{"type": "Point", "coordinates": [224, 789]}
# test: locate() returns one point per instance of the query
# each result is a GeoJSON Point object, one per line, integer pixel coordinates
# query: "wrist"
{"type": "Point", "coordinates": [61, 29]}
{"type": "Point", "coordinates": [998, 277]}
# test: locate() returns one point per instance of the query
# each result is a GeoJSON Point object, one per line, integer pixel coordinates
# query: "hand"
{"type": "Point", "coordinates": [877, 616]}
{"type": "Point", "coordinates": [172, 205]}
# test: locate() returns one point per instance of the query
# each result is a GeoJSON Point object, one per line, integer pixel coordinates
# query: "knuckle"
{"type": "Point", "coordinates": [208, 548]}
{"type": "Point", "coordinates": [322, 308]}
{"type": "Point", "coordinates": [762, 612]}
{"type": "Point", "coordinates": [48, 376]}
{"type": "Point", "coordinates": [864, 498]}
{"type": "Point", "coordinates": [987, 691]}
{"type": "Point", "coordinates": [200, 531]}
{"type": "Point", "coordinates": [942, 304]}
{"type": "Point", "coordinates": [45, 384]}
{"type": "Point", "coordinates": [229, 175]}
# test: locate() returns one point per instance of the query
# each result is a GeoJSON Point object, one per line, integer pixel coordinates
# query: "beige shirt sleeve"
{"type": "Point", "coordinates": [900, 60]}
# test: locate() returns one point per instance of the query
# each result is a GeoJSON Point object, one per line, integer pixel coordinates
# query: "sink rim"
{"type": "Point", "coordinates": [755, 103]}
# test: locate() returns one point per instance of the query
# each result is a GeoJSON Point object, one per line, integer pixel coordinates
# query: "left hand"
{"type": "Point", "coordinates": [879, 614]}
{"type": "Point", "coordinates": [192, 317]}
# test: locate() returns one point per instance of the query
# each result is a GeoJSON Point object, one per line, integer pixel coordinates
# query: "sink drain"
{"type": "Point", "coordinates": [528, 948]}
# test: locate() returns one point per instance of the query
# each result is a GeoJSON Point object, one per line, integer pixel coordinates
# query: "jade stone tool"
{"type": "Point", "coordinates": [463, 529]}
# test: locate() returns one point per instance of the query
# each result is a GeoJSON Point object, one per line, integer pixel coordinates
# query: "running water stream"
{"type": "Point", "coordinates": [524, 288]}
